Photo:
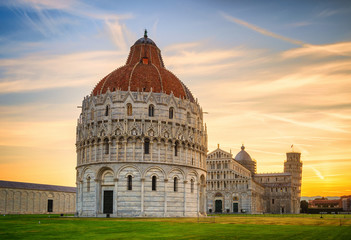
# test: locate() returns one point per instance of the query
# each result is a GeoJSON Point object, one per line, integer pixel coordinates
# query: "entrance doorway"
{"type": "Point", "coordinates": [283, 210]}
{"type": "Point", "coordinates": [50, 205]}
{"type": "Point", "coordinates": [218, 206]}
{"type": "Point", "coordinates": [236, 207]}
{"type": "Point", "coordinates": [108, 201]}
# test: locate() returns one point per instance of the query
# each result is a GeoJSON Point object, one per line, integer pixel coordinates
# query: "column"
{"type": "Point", "coordinates": [173, 151]}
{"type": "Point", "coordinates": [78, 155]}
{"type": "Point", "coordinates": [159, 150]}
{"type": "Point", "coordinates": [115, 200]}
{"type": "Point", "coordinates": [97, 197]}
{"type": "Point", "coordinates": [39, 205]}
{"type": "Point", "coordinates": [142, 196]}
{"type": "Point", "coordinates": [125, 150]}
{"type": "Point", "coordinates": [81, 155]}
{"type": "Point", "coordinates": [84, 155]}
{"type": "Point", "coordinates": [95, 146]}
{"type": "Point", "coordinates": [109, 149]}
{"type": "Point", "coordinates": [180, 153]}
{"type": "Point", "coordinates": [81, 197]}
{"type": "Point", "coordinates": [134, 150]}
{"type": "Point", "coordinates": [20, 202]}
{"type": "Point", "coordinates": [151, 144]}
{"type": "Point", "coordinates": [165, 197]}
{"type": "Point", "coordinates": [184, 210]}
{"type": "Point", "coordinates": [197, 198]}
{"type": "Point", "coordinates": [166, 150]}
{"type": "Point", "coordinates": [142, 150]}
{"type": "Point", "coordinates": [204, 193]}
{"type": "Point", "coordinates": [117, 148]}
{"type": "Point", "coordinates": [196, 163]}
{"type": "Point", "coordinates": [33, 201]}
{"type": "Point", "coordinates": [102, 151]}
{"type": "Point", "coordinates": [90, 146]}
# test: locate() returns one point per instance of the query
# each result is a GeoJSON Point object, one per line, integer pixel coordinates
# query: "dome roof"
{"type": "Point", "coordinates": [144, 71]}
{"type": "Point", "coordinates": [145, 40]}
{"type": "Point", "coordinates": [243, 155]}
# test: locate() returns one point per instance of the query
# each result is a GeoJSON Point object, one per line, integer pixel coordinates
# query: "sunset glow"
{"type": "Point", "coordinates": [269, 75]}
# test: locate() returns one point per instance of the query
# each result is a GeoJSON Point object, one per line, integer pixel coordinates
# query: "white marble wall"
{"type": "Point", "coordinates": [125, 136]}
{"type": "Point", "coordinates": [141, 201]}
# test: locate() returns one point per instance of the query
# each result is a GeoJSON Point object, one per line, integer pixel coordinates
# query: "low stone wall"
{"type": "Point", "coordinates": [28, 201]}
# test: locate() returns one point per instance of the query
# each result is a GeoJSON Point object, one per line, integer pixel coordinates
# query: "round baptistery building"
{"type": "Point", "coordinates": [141, 143]}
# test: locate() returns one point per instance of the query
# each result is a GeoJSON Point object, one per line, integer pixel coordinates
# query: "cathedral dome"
{"type": "Point", "coordinates": [244, 159]}
{"type": "Point", "coordinates": [144, 71]}
{"type": "Point", "coordinates": [243, 155]}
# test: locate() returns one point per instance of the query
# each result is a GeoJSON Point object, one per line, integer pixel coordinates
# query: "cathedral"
{"type": "Point", "coordinates": [233, 186]}
{"type": "Point", "coordinates": [142, 152]}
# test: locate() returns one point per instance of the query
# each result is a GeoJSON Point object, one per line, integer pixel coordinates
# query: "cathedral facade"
{"type": "Point", "coordinates": [233, 186]}
{"type": "Point", "coordinates": [141, 143]}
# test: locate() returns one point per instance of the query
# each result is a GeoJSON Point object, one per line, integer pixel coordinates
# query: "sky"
{"type": "Point", "coordinates": [269, 75]}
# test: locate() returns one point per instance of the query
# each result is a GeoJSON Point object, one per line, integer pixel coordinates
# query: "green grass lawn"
{"type": "Point", "coordinates": [225, 227]}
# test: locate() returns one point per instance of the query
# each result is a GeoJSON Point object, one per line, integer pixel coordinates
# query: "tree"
{"type": "Point", "coordinates": [304, 206]}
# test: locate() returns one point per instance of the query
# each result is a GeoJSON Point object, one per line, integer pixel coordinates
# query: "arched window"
{"type": "Point", "coordinates": [170, 115]}
{"type": "Point", "coordinates": [106, 145]}
{"type": "Point", "coordinates": [176, 149]}
{"type": "Point", "coordinates": [88, 184]}
{"type": "Point", "coordinates": [92, 114]}
{"type": "Point", "coordinates": [107, 109]}
{"type": "Point", "coordinates": [130, 182]}
{"type": "Point", "coordinates": [146, 146]}
{"type": "Point", "coordinates": [175, 184]}
{"type": "Point", "coordinates": [192, 185]}
{"type": "Point", "coordinates": [129, 109]}
{"type": "Point", "coordinates": [154, 183]}
{"type": "Point", "coordinates": [151, 110]}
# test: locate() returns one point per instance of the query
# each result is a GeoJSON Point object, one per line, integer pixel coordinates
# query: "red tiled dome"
{"type": "Point", "coordinates": [144, 70]}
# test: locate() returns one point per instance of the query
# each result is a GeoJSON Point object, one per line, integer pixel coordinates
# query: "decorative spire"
{"type": "Point", "coordinates": [145, 33]}
{"type": "Point", "coordinates": [243, 147]}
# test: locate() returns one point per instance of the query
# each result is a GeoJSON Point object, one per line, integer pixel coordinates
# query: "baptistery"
{"type": "Point", "coordinates": [141, 143]}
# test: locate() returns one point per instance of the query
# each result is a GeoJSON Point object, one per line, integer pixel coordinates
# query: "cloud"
{"type": "Point", "coordinates": [337, 49]}
{"type": "Point", "coordinates": [35, 14]}
{"type": "Point", "coordinates": [261, 30]}
{"type": "Point", "coordinates": [316, 124]}
{"type": "Point", "coordinates": [37, 72]}
{"type": "Point", "coordinates": [42, 4]}
{"type": "Point", "coordinates": [119, 33]}
{"type": "Point", "coordinates": [154, 29]}
{"type": "Point", "coordinates": [328, 12]}
{"type": "Point", "coordinates": [300, 24]}
{"type": "Point", "coordinates": [318, 173]}
{"type": "Point", "coordinates": [188, 59]}
{"type": "Point", "coordinates": [316, 51]}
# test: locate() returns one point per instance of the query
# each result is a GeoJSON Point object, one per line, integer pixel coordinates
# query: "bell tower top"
{"type": "Point", "coordinates": [293, 156]}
